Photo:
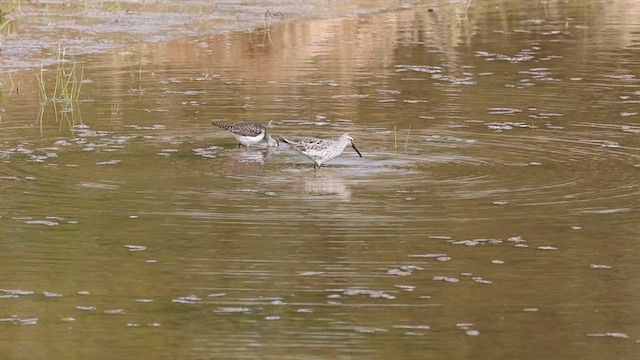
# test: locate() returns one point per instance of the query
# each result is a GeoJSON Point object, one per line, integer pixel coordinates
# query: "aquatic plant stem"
{"type": "Point", "coordinates": [395, 138]}
{"type": "Point", "coordinates": [406, 142]}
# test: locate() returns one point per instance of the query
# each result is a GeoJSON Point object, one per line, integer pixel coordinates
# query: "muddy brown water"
{"type": "Point", "coordinates": [494, 214]}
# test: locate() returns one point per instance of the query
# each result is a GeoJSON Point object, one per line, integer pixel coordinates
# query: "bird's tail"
{"type": "Point", "coordinates": [221, 125]}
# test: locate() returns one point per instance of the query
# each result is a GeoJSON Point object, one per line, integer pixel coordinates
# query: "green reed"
{"type": "Point", "coordinates": [5, 24]}
{"type": "Point", "coordinates": [67, 86]}
{"type": "Point", "coordinates": [64, 116]}
{"type": "Point", "coordinates": [10, 7]}
{"type": "Point", "coordinates": [62, 93]}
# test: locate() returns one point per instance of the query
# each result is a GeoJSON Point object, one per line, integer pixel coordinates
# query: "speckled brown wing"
{"type": "Point", "coordinates": [244, 128]}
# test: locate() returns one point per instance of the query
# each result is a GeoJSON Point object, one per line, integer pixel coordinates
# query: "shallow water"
{"type": "Point", "coordinates": [494, 213]}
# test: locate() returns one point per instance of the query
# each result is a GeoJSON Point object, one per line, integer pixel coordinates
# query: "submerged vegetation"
{"type": "Point", "coordinates": [395, 138]}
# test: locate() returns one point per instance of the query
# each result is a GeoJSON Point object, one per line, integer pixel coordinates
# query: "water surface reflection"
{"type": "Point", "coordinates": [493, 215]}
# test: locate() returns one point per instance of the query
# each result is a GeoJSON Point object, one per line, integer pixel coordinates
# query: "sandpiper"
{"type": "Point", "coordinates": [322, 150]}
{"type": "Point", "coordinates": [248, 132]}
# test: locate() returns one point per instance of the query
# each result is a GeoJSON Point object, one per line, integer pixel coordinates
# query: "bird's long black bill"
{"type": "Point", "coordinates": [356, 149]}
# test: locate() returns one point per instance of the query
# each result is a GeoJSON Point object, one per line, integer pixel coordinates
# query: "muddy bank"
{"type": "Point", "coordinates": [35, 32]}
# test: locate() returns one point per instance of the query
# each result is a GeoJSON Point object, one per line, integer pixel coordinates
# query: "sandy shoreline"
{"type": "Point", "coordinates": [35, 32]}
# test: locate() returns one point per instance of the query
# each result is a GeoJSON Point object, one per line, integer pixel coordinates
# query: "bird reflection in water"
{"type": "Point", "coordinates": [327, 182]}
{"type": "Point", "coordinates": [246, 161]}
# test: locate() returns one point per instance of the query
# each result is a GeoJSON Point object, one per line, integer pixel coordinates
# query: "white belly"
{"type": "Point", "coordinates": [249, 140]}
